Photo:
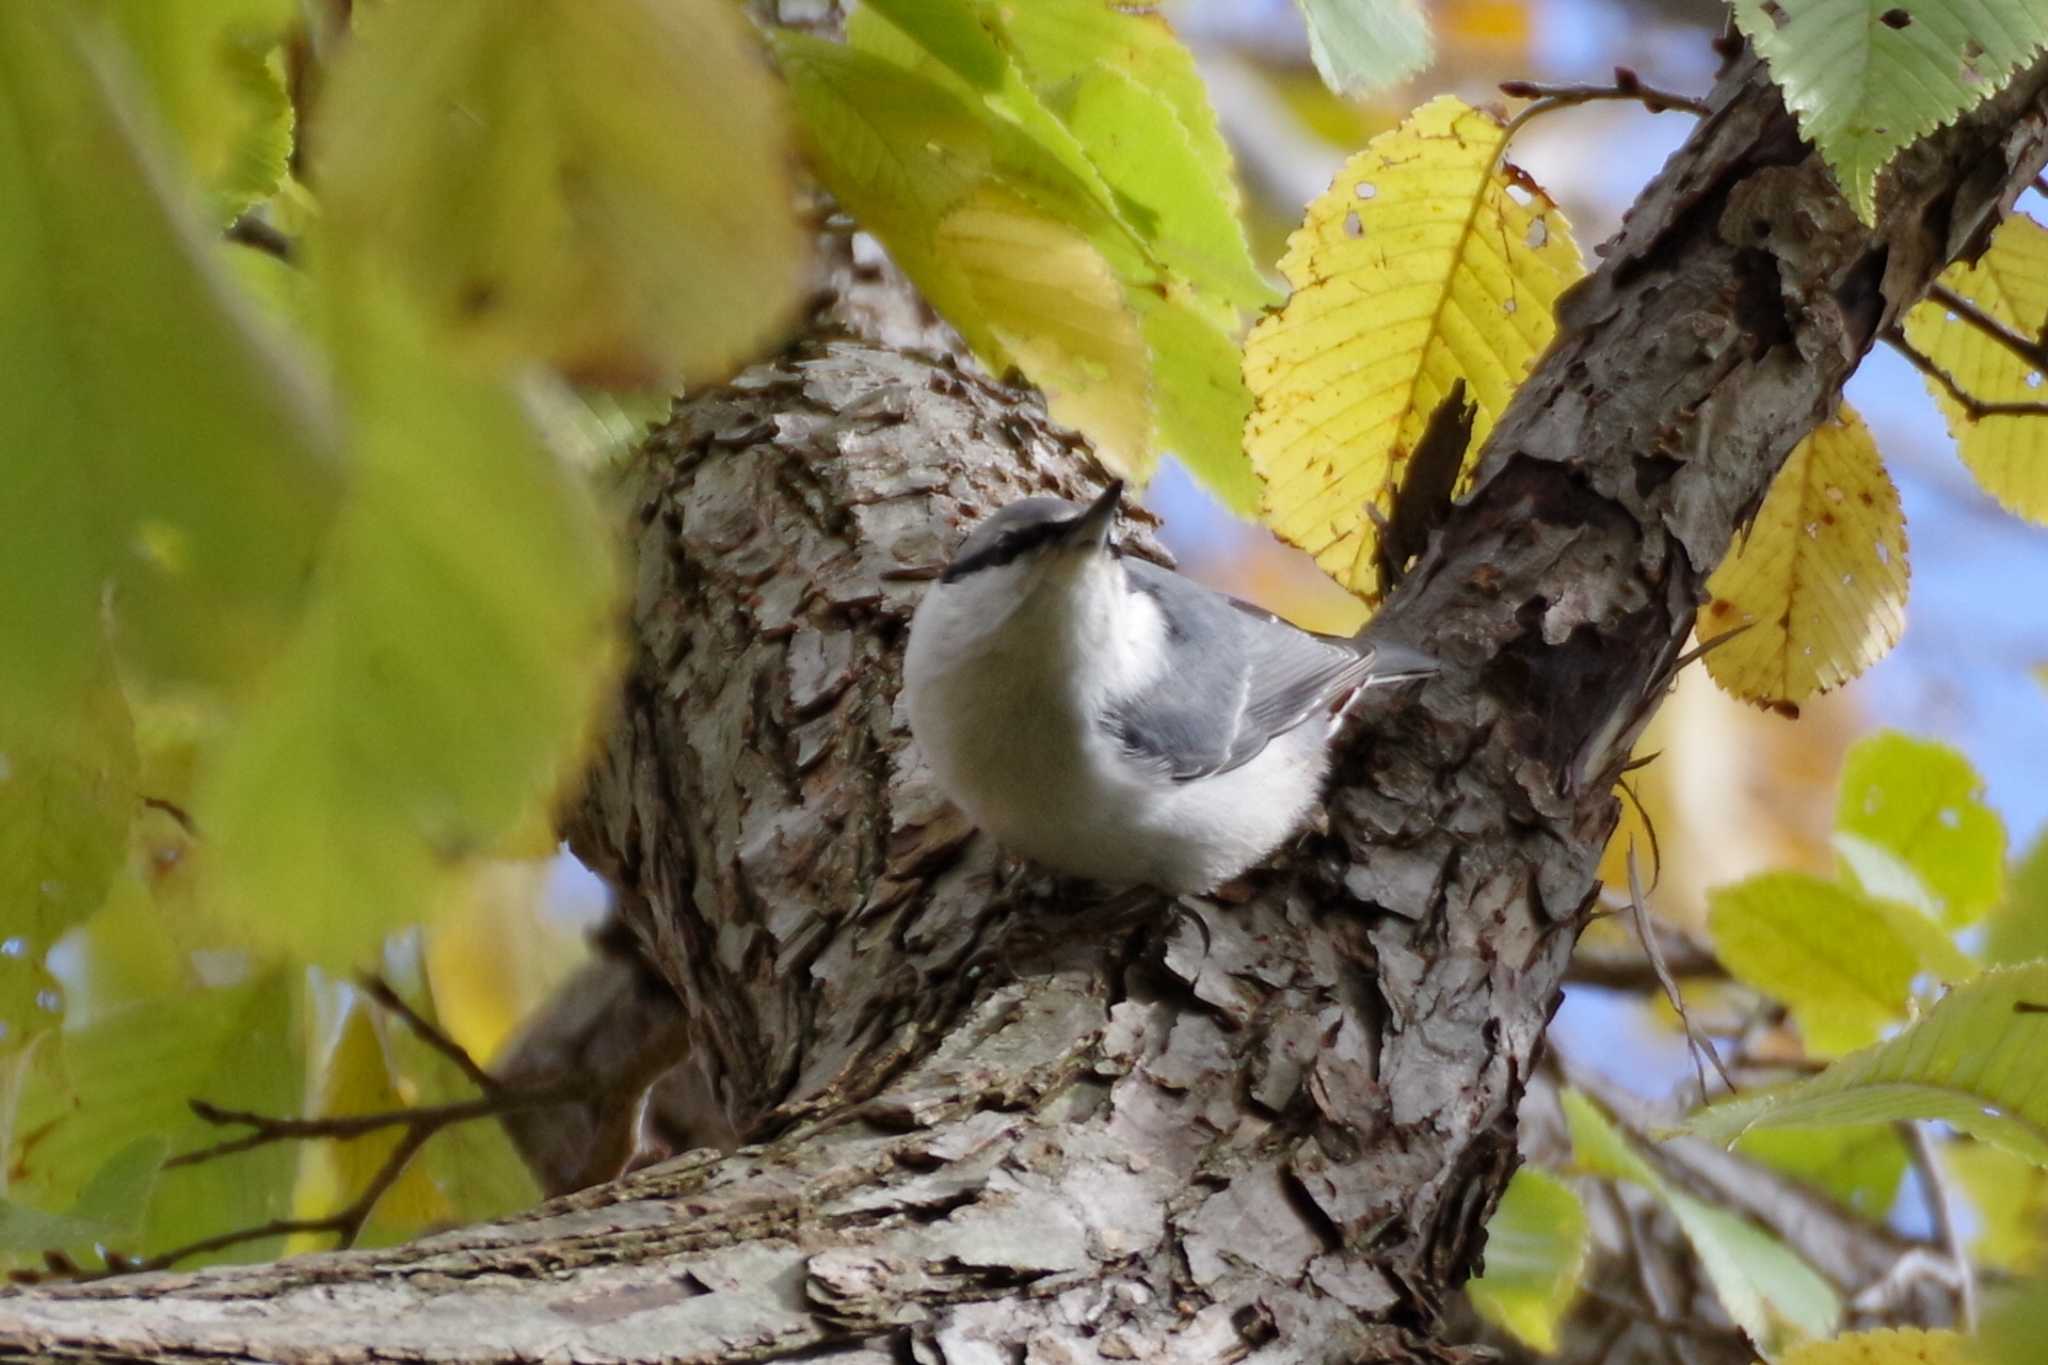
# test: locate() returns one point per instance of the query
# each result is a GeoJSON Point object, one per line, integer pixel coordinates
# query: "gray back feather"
{"type": "Point", "coordinates": [1242, 678]}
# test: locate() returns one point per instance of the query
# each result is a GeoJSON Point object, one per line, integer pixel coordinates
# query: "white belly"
{"type": "Point", "coordinates": [1022, 755]}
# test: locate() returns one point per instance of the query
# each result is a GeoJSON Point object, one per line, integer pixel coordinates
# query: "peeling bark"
{"type": "Point", "coordinates": [997, 1118]}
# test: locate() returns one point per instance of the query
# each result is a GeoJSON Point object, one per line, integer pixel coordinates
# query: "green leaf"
{"type": "Point", "coordinates": [93, 1096]}
{"type": "Point", "coordinates": [24, 1229]}
{"type": "Point", "coordinates": [960, 34]}
{"type": "Point", "coordinates": [1536, 1245]}
{"type": "Point", "coordinates": [448, 670]}
{"type": "Point", "coordinates": [67, 793]}
{"type": "Point", "coordinates": [206, 68]}
{"type": "Point", "coordinates": [1163, 186]}
{"type": "Point", "coordinates": [1973, 1061]}
{"type": "Point", "coordinates": [600, 184]}
{"type": "Point", "coordinates": [1859, 1166]}
{"type": "Point", "coordinates": [156, 451]}
{"type": "Point", "coordinates": [1818, 947]}
{"type": "Point", "coordinates": [1199, 397]}
{"type": "Point", "coordinates": [1868, 78]}
{"type": "Point", "coordinates": [1923, 802]}
{"type": "Point", "coordinates": [1772, 1294]}
{"type": "Point", "coordinates": [1362, 46]}
{"type": "Point", "coordinates": [2019, 931]}
{"type": "Point", "coordinates": [1061, 43]}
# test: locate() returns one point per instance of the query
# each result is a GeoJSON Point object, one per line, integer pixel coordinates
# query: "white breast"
{"type": "Point", "coordinates": [1006, 708]}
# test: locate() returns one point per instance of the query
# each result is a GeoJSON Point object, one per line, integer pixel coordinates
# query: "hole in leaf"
{"type": "Point", "coordinates": [1538, 234]}
{"type": "Point", "coordinates": [1896, 18]}
{"type": "Point", "coordinates": [1352, 226]}
{"type": "Point", "coordinates": [1365, 189]}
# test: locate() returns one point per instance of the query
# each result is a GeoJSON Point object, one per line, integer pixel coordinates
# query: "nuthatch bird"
{"type": "Point", "coordinates": [1114, 720]}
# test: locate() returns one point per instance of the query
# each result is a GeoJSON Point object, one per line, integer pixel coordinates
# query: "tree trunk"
{"type": "Point", "coordinates": [995, 1118]}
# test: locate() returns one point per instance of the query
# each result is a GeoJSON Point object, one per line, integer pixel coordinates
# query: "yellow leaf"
{"type": "Point", "coordinates": [2008, 455]}
{"type": "Point", "coordinates": [1426, 261]}
{"type": "Point", "coordinates": [1055, 305]}
{"type": "Point", "coordinates": [600, 184]}
{"type": "Point", "coordinates": [1821, 578]}
{"type": "Point", "coordinates": [494, 955]}
{"type": "Point", "coordinates": [1886, 1346]}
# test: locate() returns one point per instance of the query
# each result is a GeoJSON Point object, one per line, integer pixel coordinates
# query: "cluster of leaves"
{"type": "Point", "coordinates": [1917, 976]}
{"type": "Point", "coordinates": [306, 598]}
{"type": "Point", "coordinates": [1432, 260]}
{"type": "Point", "coordinates": [1052, 178]}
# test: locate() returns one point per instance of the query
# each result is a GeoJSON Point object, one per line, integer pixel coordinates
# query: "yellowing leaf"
{"type": "Point", "coordinates": [1054, 304]}
{"type": "Point", "coordinates": [152, 439]}
{"type": "Point", "coordinates": [2008, 455]}
{"type": "Point", "coordinates": [1772, 1294]}
{"type": "Point", "coordinates": [1868, 78]}
{"type": "Point", "coordinates": [1820, 578]}
{"type": "Point", "coordinates": [2009, 1197]}
{"type": "Point", "coordinates": [1535, 1255]}
{"type": "Point", "coordinates": [1973, 1060]}
{"type": "Point", "coordinates": [1885, 1346]}
{"type": "Point", "coordinates": [603, 184]}
{"type": "Point", "coordinates": [447, 673]}
{"type": "Point", "coordinates": [1819, 948]}
{"type": "Point", "coordinates": [1419, 266]}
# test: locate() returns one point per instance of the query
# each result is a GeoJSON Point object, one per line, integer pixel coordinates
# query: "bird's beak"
{"type": "Point", "coordinates": [1093, 526]}
{"type": "Point", "coordinates": [1393, 663]}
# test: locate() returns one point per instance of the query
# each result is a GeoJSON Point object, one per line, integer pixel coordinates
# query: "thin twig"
{"type": "Point", "coordinates": [1976, 408]}
{"type": "Point", "coordinates": [1655, 953]}
{"type": "Point", "coordinates": [2031, 352]}
{"type": "Point", "coordinates": [1941, 1205]}
{"type": "Point", "coordinates": [2041, 184]}
{"type": "Point", "coordinates": [348, 1127]}
{"type": "Point", "coordinates": [1627, 88]}
{"type": "Point", "coordinates": [379, 990]}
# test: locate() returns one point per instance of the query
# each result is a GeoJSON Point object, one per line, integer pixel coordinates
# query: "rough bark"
{"type": "Point", "coordinates": [1000, 1119]}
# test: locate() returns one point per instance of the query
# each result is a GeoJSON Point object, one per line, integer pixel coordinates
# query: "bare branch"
{"type": "Point", "coordinates": [1941, 1207]}
{"type": "Point", "coordinates": [1627, 88]}
{"type": "Point", "coordinates": [1693, 1041]}
{"type": "Point", "coordinates": [379, 990]}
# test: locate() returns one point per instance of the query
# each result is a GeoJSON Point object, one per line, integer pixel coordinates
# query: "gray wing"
{"type": "Point", "coordinates": [1243, 677]}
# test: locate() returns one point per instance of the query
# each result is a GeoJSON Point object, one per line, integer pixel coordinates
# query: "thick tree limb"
{"type": "Point", "coordinates": [1000, 1119]}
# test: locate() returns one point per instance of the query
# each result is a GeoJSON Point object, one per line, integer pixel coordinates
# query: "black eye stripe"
{"type": "Point", "coordinates": [1006, 547]}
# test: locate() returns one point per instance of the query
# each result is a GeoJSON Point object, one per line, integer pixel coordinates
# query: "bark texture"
{"type": "Point", "coordinates": [999, 1119]}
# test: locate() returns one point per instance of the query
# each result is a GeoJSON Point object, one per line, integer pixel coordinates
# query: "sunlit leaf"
{"type": "Point", "coordinates": [92, 1093]}
{"type": "Point", "coordinates": [1819, 579]}
{"type": "Point", "coordinates": [1868, 78]}
{"type": "Point", "coordinates": [1169, 194]}
{"type": "Point", "coordinates": [1061, 43]}
{"type": "Point", "coordinates": [206, 67]}
{"type": "Point", "coordinates": [1536, 1245]}
{"type": "Point", "coordinates": [2008, 455]}
{"type": "Point", "coordinates": [1055, 305]}
{"type": "Point", "coordinates": [1885, 1346]}
{"type": "Point", "coordinates": [1773, 1295]}
{"type": "Point", "coordinates": [1923, 802]}
{"type": "Point", "coordinates": [495, 954]}
{"type": "Point", "coordinates": [1973, 1061]}
{"type": "Point", "coordinates": [446, 675]}
{"type": "Point", "coordinates": [1361, 46]}
{"type": "Point", "coordinates": [1819, 948]}
{"type": "Point", "coordinates": [155, 450]}
{"type": "Point", "coordinates": [1418, 267]}
{"type": "Point", "coordinates": [603, 184]}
